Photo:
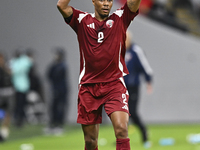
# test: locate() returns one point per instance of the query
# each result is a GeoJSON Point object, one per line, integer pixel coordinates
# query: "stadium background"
{"type": "Point", "coordinates": [174, 56]}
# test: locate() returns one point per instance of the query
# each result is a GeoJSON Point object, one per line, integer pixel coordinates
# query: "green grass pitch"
{"type": "Point", "coordinates": [72, 139]}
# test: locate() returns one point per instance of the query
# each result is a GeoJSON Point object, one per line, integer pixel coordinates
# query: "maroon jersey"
{"type": "Point", "coordinates": [101, 44]}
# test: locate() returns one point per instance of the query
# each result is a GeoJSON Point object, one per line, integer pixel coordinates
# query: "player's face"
{"type": "Point", "coordinates": [102, 8]}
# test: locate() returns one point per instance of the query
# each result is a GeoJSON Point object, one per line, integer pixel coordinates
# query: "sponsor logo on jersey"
{"type": "Point", "coordinates": [91, 26]}
{"type": "Point", "coordinates": [109, 23]}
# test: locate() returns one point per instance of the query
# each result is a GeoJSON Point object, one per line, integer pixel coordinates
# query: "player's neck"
{"type": "Point", "coordinates": [100, 18]}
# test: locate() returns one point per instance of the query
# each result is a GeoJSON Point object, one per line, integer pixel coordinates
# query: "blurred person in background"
{"type": "Point", "coordinates": [35, 81]}
{"type": "Point", "coordinates": [58, 77]}
{"type": "Point", "coordinates": [20, 66]}
{"type": "Point", "coordinates": [138, 66]}
{"type": "Point", "coordinates": [6, 98]}
{"type": "Point", "coordinates": [36, 108]}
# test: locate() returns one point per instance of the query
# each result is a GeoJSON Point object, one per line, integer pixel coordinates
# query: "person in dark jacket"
{"type": "Point", "coordinates": [36, 84]}
{"type": "Point", "coordinates": [138, 66]}
{"type": "Point", "coordinates": [36, 108]}
{"type": "Point", "coordinates": [57, 75]}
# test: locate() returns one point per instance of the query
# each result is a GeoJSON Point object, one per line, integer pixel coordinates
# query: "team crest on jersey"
{"type": "Point", "coordinates": [109, 23]}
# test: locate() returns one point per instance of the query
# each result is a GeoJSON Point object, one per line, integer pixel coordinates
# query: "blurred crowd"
{"type": "Point", "coordinates": [22, 98]}
{"type": "Point", "coordinates": [165, 11]}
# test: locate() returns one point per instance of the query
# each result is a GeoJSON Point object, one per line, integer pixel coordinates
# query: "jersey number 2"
{"type": "Point", "coordinates": [100, 37]}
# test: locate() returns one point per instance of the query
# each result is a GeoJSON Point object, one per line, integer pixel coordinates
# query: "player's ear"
{"type": "Point", "coordinates": [93, 1]}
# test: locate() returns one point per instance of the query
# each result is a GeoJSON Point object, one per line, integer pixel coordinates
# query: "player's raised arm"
{"type": "Point", "coordinates": [133, 5]}
{"type": "Point", "coordinates": [64, 8]}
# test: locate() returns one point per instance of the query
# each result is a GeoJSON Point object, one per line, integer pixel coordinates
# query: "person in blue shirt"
{"type": "Point", "coordinates": [138, 66]}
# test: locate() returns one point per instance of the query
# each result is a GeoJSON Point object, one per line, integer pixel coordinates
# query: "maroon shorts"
{"type": "Point", "coordinates": [92, 97]}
